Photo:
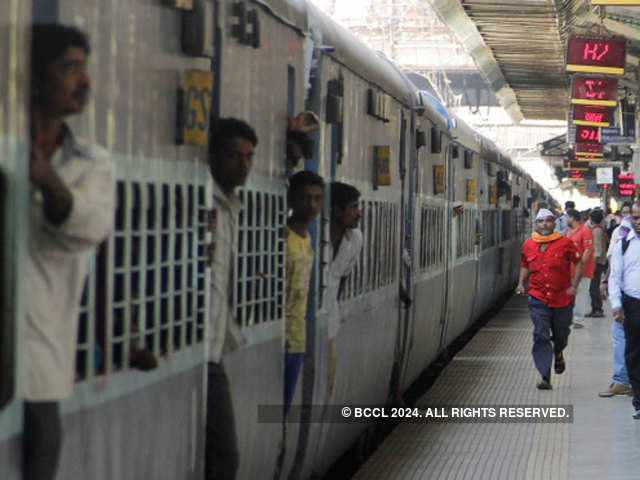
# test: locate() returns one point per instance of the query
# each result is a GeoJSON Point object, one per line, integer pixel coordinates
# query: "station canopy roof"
{"type": "Point", "coordinates": [519, 47]}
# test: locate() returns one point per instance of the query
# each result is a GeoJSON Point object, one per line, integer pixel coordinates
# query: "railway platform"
{"type": "Point", "coordinates": [599, 440]}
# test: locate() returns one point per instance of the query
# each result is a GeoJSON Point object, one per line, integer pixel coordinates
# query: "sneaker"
{"type": "Point", "coordinates": [615, 389]}
{"type": "Point", "coordinates": [636, 415]}
{"type": "Point", "coordinates": [598, 314]}
{"type": "Point", "coordinates": [590, 314]}
{"type": "Point", "coordinates": [577, 325]}
{"type": "Point", "coordinates": [559, 365]}
{"type": "Point", "coordinates": [544, 384]}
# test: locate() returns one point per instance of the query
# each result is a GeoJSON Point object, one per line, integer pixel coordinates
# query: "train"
{"type": "Point", "coordinates": [444, 214]}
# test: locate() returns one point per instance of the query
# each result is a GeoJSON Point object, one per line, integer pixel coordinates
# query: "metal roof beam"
{"type": "Point", "coordinates": [453, 15]}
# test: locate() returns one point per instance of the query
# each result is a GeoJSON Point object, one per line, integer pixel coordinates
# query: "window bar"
{"type": "Point", "coordinates": [184, 264]}
{"type": "Point", "coordinates": [256, 283]}
{"type": "Point", "coordinates": [157, 267]}
{"type": "Point", "coordinates": [271, 220]}
{"type": "Point", "coordinates": [127, 272]}
{"type": "Point", "coordinates": [201, 276]}
{"type": "Point", "coordinates": [142, 266]}
{"type": "Point", "coordinates": [171, 266]}
{"type": "Point", "coordinates": [240, 276]}
{"type": "Point", "coordinates": [109, 303]}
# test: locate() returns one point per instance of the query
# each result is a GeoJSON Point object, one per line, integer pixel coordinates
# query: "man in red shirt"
{"type": "Point", "coordinates": [582, 237]}
{"type": "Point", "coordinates": [547, 258]}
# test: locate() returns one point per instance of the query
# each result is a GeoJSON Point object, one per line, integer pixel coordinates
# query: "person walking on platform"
{"type": "Point", "coordinates": [562, 223]}
{"type": "Point", "coordinates": [624, 294]}
{"type": "Point", "coordinates": [546, 261]}
{"type": "Point", "coordinates": [620, 384]}
{"type": "Point", "coordinates": [231, 158]}
{"type": "Point", "coordinates": [583, 239]}
{"type": "Point", "coordinates": [71, 204]}
{"type": "Point", "coordinates": [600, 240]}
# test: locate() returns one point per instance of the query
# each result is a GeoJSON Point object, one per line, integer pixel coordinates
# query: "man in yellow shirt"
{"type": "Point", "coordinates": [305, 197]}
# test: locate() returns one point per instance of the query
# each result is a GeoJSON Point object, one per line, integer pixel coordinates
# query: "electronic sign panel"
{"type": "Point", "coordinates": [592, 149]}
{"type": "Point", "coordinates": [594, 91]}
{"type": "Point", "coordinates": [585, 133]}
{"type": "Point", "coordinates": [595, 115]}
{"type": "Point", "coordinates": [616, 3]}
{"type": "Point", "coordinates": [574, 166]}
{"type": "Point", "coordinates": [626, 184]}
{"type": "Point", "coordinates": [596, 55]}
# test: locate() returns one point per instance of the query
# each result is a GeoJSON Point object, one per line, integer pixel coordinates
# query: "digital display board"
{"type": "Point", "coordinates": [596, 55]}
{"type": "Point", "coordinates": [585, 133]}
{"type": "Point", "coordinates": [594, 91]}
{"type": "Point", "coordinates": [594, 149]}
{"type": "Point", "coordinates": [571, 165]}
{"type": "Point", "coordinates": [616, 3]}
{"type": "Point", "coordinates": [626, 184]}
{"type": "Point", "coordinates": [595, 115]}
{"type": "Point", "coordinates": [589, 158]}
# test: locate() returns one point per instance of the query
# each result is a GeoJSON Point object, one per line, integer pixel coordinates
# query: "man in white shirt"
{"type": "Point", "coordinates": [624, 292]}
{"type": "Point", "coordinates": [562, 222]}
{"type": "Point", "coordinates": [70, 212]}
{"type": "Point", "coordinates": [231, 159]}
{"type": "Point", "coordinates": [620, 384]}
{"type": "Point", "coordinates": [346, 244]}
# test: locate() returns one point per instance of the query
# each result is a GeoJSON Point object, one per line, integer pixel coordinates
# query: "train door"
{"type": "Point", "coordinates": [405, 323]}
{"type": "Point", "coordinates": [450, 250]}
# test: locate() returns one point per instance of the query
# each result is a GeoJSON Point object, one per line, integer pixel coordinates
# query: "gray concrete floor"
{"type": "Point", "coordinates": [495, 368]}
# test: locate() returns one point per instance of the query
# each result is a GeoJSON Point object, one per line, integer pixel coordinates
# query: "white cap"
{"type": "Point", "coordinates": [543, 212]}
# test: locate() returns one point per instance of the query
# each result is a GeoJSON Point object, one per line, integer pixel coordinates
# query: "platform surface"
{"type": "Point", "coordinates": [496, 368]}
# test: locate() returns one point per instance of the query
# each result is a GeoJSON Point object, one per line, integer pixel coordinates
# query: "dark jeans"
{"type": "Point", "coordinates": [551, 326]}
{"type": "Point", "coordinates": [594, 287]}
{"type": "Point", "coordinates": [42, 440]}
{"type": "Point", "coordinates": [631, 325]}
{"type": "Point", "coordinates": [292, 365]}
{"type": "Point", "coordinates": [221, 443]}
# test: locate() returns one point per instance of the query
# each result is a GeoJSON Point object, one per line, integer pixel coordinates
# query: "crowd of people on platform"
{"type": "Point", "coordinates": [573, 261]}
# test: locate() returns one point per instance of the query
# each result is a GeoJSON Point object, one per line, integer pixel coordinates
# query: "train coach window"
{"type": "Point", "coordinates": [466, 233]}
{"type": "Point", "coordinates": [489, 226]}
{"type": "Point", "coordinates": [260, 266]}
{"type": "Point", "coordinates": [468, 159]}
{"type": "Point", "coordinates": [146, 287]}
{"type": "Point", "coordinates": [519, 224]}
{"type": "Point", "coordinates": [378, 262]}
{"type": "Point", "coordinates": [507, 225]}
{"type": "Point", "coordinates": [436, 140]}
{"type": "Point", "coordinates": [431, 237]}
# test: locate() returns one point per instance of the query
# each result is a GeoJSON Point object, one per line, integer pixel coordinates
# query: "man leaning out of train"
{"type": "Point", "coordinates": [345, 247]}
{"type": "Point", "coordinates": [305, 198]}
{"type": "Point", "coordinates": [230, 161]}
{"type": "Point", "coordinates": [546, 261]}
{"type": "Point", "coordinates": [71, 206]}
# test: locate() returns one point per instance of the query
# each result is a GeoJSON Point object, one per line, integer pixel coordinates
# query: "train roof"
{"type": "Point", "coordinates": [342, 45]}
{"type": "Point", "coordinates": [439, 113]}
{"type": "Point", "coordinates": [290, 12]}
